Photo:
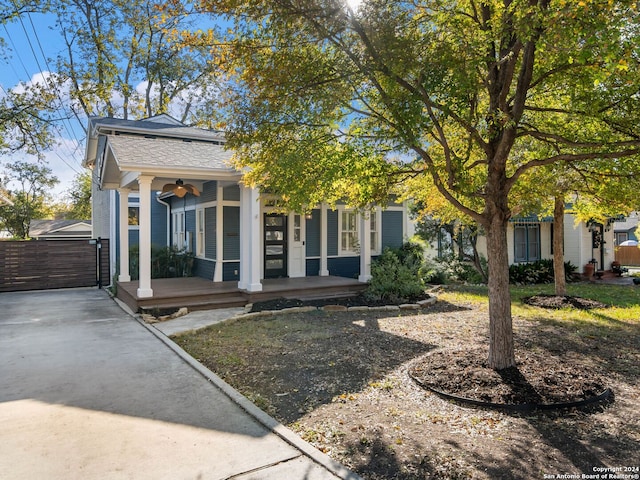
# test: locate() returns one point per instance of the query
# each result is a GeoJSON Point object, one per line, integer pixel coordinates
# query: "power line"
{"type": "Point", "coordinates": [59, 106]}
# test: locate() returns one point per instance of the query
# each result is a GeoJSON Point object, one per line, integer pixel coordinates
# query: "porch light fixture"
{"type": "Point", "coordinates": [180, 189]}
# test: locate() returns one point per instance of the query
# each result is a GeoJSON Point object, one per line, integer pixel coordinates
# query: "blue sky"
{"type": "Point", "coordinates": [30, 46]}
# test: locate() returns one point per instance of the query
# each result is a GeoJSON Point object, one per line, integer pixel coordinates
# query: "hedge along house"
{"type": "Point", "coordinates": [234, 231]}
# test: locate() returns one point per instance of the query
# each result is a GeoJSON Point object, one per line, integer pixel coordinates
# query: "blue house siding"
{"type": "Point", "coordinates": [312, 267]}
{"type": "Point", "coordinates": [232, 193]}
{"type": "Point", "coordinates": [332, 232]}
{"type": "Point", "coordinates": [134, 238]}
{"type": "Point", "coordinates": [313, 235]}
{"type": "Point", "coordinates": [203, 268]}
{"type": "Point", "coordinates": [159, 226]}
{"type": "Point", "coordinates": [209, 192]}
{"type": "Point", "coordinates": [231, 271]}
{"type": "Point", "coordinates": [210, 232]}
{"type": "Point", "coordinates": [344, 266]}
{"type": "Point", "coordinates": [391, 229]}
{"type": "Point", "coordinates": [231, 243]}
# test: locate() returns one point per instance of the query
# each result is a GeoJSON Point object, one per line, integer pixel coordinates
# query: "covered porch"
{"type": "Point", "coordinates": [197, 293]}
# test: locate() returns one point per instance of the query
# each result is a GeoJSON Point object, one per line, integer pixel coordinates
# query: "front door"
{"type": "Point", "coordinates": [297, 255]}
{"type": "Point", "coordinates": [275, 245]}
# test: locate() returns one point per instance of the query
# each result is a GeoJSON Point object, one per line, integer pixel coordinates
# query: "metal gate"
{"type": "Point", "coordinates": [47, 264]}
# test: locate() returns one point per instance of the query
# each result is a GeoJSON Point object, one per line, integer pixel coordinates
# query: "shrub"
{"type": "Point", "coordinates": [451, 268]}
{"type": "Point", "coordinates": [540, 271]}
{"type": "Point", "coordinates": [166, 262]}
{"type": "Point", "coordinates": [397, 275]}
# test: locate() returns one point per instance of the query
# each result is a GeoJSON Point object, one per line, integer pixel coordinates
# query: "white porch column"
{"type": "Point", "coordinates": [144, 288]}
{"type": "Point", "coordinates": [250, 258]}
{"type": "Point", "coordinates": [217, 274]}
{"type": "Point", "coordinates": [123, 224]}
{"type": "Point", "coordinates": [365, 247]}
{"type": "Point", "coordinates": [324, 271]}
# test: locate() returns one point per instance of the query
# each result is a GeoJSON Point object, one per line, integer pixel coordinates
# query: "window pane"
{"type": "Point", "coordinates": [520, 244]}
{"type": "Point", "coordinates": [274, 235]}
{"type": "Point", "coordinates": [274, 264]}
{"type": "Point", "coordinates": [275, 249]}
{"type": "Point", "coordinates": [274, 221]}
{"type": "Point", "coordinates": [134, 215]}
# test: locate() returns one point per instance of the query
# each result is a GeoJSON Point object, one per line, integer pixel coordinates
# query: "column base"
{"type": "Point", "coordinates": [364, 278]}
{"type": "Point", "coordinates": [324, 273]}
{"type": "Point", "coordinates": [144, 293]}
{"type": "Point", "coordinates": [254, 287]}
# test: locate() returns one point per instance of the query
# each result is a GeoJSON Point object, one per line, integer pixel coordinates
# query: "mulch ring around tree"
{"type": "Point", "coordinates": [562, 301]}
{"type": "Point", "coordinates": [540, 380]}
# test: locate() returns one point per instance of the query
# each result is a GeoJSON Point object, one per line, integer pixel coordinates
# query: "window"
{"type": "Point", "coordinates": [526, 239]}
{"type": "Point", "coordinates": [134, 216]}
{"type": "Point", "coordinates": [200, 238]}
{"type": "Point", "coordinates": [375, 233]}
{"type": "Point", "coordinates": [179, 240]}
{"type": "Point", "coordinates": [621, 237]}
{"type": "Point", "coordinates": [349, 232]}
{"type": "Point", "coordinates": [297, 228]}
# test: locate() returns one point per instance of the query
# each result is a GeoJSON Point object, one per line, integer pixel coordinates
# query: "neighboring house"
{"type": "Point", "coordinates": [531, 238]}
{"type": "Point", "coordinates": [626, 229]}
{"type": "Point", "coordinates": [234, 231]}
{"type": "Point", "coordinates": [60, 229]}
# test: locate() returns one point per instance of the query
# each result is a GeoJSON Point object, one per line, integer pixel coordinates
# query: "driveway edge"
{"type": "Point", "coordinates": [260, 416]}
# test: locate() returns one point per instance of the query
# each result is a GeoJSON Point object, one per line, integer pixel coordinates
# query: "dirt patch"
{"type": "Point", "coordinates": [560, 301]}
{"type": "Point", "coordinates": [538, 379]}
{"type": "Point", "coordinates": [341, 381]}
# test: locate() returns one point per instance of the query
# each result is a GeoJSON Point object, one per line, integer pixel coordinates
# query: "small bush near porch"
{"type": "Point", "coordinates": [340, 380]}
{"type": "Point", "coordinates": [166, 262]}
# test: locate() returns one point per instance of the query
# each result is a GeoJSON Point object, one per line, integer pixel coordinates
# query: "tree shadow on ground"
{"type": "Point", "coordinates": [343, 357]}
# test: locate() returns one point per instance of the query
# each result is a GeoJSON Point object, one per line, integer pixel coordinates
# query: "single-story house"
{"type": "Point", "coordinates": [235, 231]}
{"type": "Point", "coordinates": [531, 238]}
{"type": "Point", "coordinates": [60, 229]}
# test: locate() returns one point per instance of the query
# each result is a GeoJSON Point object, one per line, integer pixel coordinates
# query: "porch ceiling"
{"type": "Point", "coordinates": [166, 160]}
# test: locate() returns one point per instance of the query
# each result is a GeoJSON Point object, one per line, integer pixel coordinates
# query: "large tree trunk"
{"type": "Point", "coordinates": [559, 274]}
{"type": "Point", "coordinates": [501, 351]}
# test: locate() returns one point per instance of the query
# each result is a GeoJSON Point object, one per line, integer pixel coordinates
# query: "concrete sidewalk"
{"type": "Point", "coordinates": [88, 392]}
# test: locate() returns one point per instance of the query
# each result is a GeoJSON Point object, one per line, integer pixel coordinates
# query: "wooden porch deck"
{"type": "Point", "coordinates": [197, 293]}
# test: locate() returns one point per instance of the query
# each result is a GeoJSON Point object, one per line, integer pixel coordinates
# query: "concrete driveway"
{"type": "Point", "coordinates": [87, 392]}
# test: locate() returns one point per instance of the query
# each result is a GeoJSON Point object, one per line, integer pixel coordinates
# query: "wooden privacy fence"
{"type": "Point", "coordinates": [628, 255]}
{"type": "Point", "coordinates": [46, 264]}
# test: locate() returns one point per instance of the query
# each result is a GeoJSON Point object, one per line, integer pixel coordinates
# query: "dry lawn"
{"type": "Point", "coordinates": [340, 380]}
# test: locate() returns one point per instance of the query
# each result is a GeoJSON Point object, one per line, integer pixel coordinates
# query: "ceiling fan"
{"type": "Point", "coordinates": [180, 189]}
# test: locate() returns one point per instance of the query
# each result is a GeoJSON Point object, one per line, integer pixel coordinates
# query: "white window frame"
{"type": "Point", "coordinates": [375, 222]}
{"type": "Point", "coordinates": [133, 202]}
{"type": "Point", "coordinates": [200, 232]}
{"type": "Point", "coordinates": [353, 246]}
{"type": "Point", "coordinates": [178, 221]}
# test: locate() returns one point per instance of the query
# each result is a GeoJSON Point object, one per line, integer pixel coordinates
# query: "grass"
{"type": "Point", "coordinates": [624, 301]}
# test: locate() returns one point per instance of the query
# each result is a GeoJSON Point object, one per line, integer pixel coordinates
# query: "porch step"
{"type": "Point", "coordinates": [196, 302]}
{"type": "Point", "coordinates": [199, 294]}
